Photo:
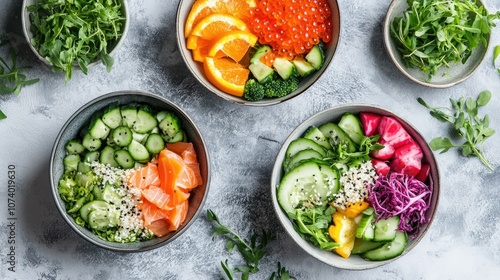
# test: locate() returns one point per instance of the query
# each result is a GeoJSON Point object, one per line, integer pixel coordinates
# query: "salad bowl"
{"type": "Point", "coordinates": [279, 172]}
{"type": "Point", "coordinates": [80, 120]}
{"type": "Point", "coordinates": [197, 68]}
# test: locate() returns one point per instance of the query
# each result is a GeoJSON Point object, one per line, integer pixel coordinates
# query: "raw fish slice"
{"type": "Point", "coordinates": [158, 197]}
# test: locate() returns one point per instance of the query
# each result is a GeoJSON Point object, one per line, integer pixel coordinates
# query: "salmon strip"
{"type": "Point", "coordinates": [151, 212]}
{"type": "Point", "coordinates": [160, 227]}
{"type": "Point", "coordinates": [188, 154]}
{"type": "Point", "coordinates": [177, 215]}
{"type": "Point", "coordinates": [158, 197]}
{"type": "Point", "coordinates": [145, 176]}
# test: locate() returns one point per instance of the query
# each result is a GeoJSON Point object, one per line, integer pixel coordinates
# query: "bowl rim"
{"type": "Point", "coordinates": [239, 100]}
{"type": "Point", "coordinates": [388, 41]}
{"type": "Point", "coordinates": [25, 23]}
{"type": "Point", "coordinates": [277, 175]}
{"type": "Point", "coordinates": [53, 183]}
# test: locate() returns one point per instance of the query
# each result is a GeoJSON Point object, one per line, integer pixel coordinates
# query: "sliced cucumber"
{"type": "Point", "coordinates": [74, 146]}
{"type": "Point", "coordinates": [364, 223]}
{"type": "Point", "coordinates": [178, 137]}
{"type": "Point", "coordinates": [85, 179]}
{"type": "Point", "coordinates": [303, 144]}
{"type": "Point", "coordinates": [129, 114]}
{"type": "Point", "coordinates": [97, 192]}
{"type": "Point", "coordinates": [112, 116]}
{"type": "Point", "coordinates": [122, 136]}
{"type": "Point", "coordinates": [389, 250]}
{"type": "Point", "coordinates": [170, 125]}
{"type": "Point", "coordinates": [316, 57]}
{"type": "Point", "coordinates": [97, 128]}
{"type": "Point", "coordinates": [91, 156]}
{"type": "Point", "coordinates": [90, 143]}
{"type": "Point", "coordinates": [161, 115]}
{"type": "Point", "coordinates": [351, 126]}
{"type": "Point", "coordinates": [124, 159]}
{"type": "Point", "coordinates": [83, 167]}
{"type": "Point", "coordinates": [260, 52]}
{"type": "Point", "coordinates": [93, 205]}
{"type": "Point", "coordinates": [108, 156]}
{"type": "Point", "coordinates": [385, 230]}
{"type": "Point", "coordinates": [103, 219]}
{"type": "Point", "coordinates": [317, 136]}
{"type": "Point", "coordinates": [300, 156]}
{"type": "Point", "coordinates": [71, 162]}
{"type": "Point", "coordinates": [145, 120]}
{"type": "Point", "coordinates": [361, 246]}
{"type": "Point", "coordinates": [110, 195]}
{"type": "Point", "coordinates": [284, 67]}
{"type": "Point", "coordinates": [336, 136]}
{"type": "Point", "coordinates": [331, 178]}
{"type": "Point", "coordinates": [155, 143]}
{"type": "Point", "coordinates": [261, 72]}
{"type": "Point", "coordinates": [369, 233]}
{"type": "Point", "coordinates": [303, 67]}
{"type": "Point", "coordinates": [138, 151]}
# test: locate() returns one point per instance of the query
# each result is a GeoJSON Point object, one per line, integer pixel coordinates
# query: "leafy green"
{"type": "Point", "coordinates": [496, 54]}
{"type": "Point", "coordinates": [466, 122]}
{"type": "Point", "coordinates": [312, 224]}
{"type": "Point", "coordinates": [251, 250]}
{"type": "Point", "coordinates": [12, 80]}
{"type": "Point", "coordinates": [436, 33]}
{"type": "Point", "coordinates": [281, 274]}
{"type": "Point", "coordinates": [77, 32]}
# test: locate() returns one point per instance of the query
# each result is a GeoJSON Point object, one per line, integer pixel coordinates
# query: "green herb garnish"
{"type": "Point", "coordinates": [11, 77]}
{"type": "Point", "coordinates": [70, 33]}
{"type": "Point", "coordinates": [496, 54]}
{"type": "Point", "coordinates": [252, 251]}
{"type": "Point", "coordinates": [281, 274]}
{"type": "Point", "coordinates": [436, 33]}
{"type": "Point", "coordinates": [466, 122]}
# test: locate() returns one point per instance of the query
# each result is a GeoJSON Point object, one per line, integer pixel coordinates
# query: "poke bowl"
{"type": "Point", "coordinates": [243, 52]}
{"type": "Point", "coordinates": [129, 171]}
{"type": "Point", "coordinates": [355, 186]}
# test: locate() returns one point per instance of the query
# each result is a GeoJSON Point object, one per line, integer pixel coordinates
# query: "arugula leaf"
{"type": "Point", "coordinates": [251, 250]}
{"type": "Point", "coordinates": [76, 33]}
{"type": "Point", "coordinates": [467, 124]}
{"type": "Point", "coordinates": [281, 274]}
{"type": "Point", "coordinates": [432, 34]}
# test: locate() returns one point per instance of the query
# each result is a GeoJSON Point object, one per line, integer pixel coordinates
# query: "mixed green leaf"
{"type": "Point", "coordinates": [435, 33]}
{"type": "Point", "coordinates": [466, 122]}
{"type": "Point", "coordinates": [78, 32]}
{"type": "Point", "coordinates": [496, 55]}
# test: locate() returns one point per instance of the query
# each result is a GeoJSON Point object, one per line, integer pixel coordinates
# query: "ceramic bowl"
{"type": "Point", "coordinates": [112, 48]}
{"type": "Point", "coordinates": [196, 68]}
{"type": "Point", "coordinates": [73, 126]}
{"type": "Point", "coordinates": [445, 77]}
{"type": "Point", "coordinates": [354, 262]}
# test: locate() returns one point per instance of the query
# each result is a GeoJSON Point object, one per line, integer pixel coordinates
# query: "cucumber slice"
{"type": "Point", "coordinates": [91, 156]}
{"type": "Point", "coordinates": [316, 57]}
{"type": "Point", "coordinates": [124, 159]}
{"type": "Point", "coordinates": [361, 246]}
{"type": "Point", "coordinates": [97, 192]}
{"type": "Point", "coordinates": [145, 121]}
{"type": "Point", "coordinates": [303, 67]}
{"type": "Point", "coordinates": [74, 146]}
{"type": "Point", "coordinates": [93, 205]}
{"type": "Point", "coordinates": [129, 114]}
{"type": "Point", "coordinates": [161, 115]}
{"type": "Point", "coordinates": [111, 196]}
{"type": "Point", "coordinates": [317, 136]}
{"type": "Point", "coordinates": [122, 136]}
{"type": "Point", "coordinates": [261, 72]}
{"type": "Point", "coordinates": [336, 135]}
{"type": "Point", "coordinates": [331, 177]}
{"type": "Point", "coordinates": [141, 138]}
{"type": "Point", "coordinates": [170, 125]}
{"type": "Point", "coordinates": [364, 223]}
{"type": "Point", "coordinates": [108, 156]}
{"type": "Point", "coordinates": [369, 233]}
{"type": "Point", "coordinates": [385, 230]}
{"type": "Point", "coordinates": [138, 151]}
{"type": "Point", "coordinates": [97, 128]}
{"type": "Point", "coordinates": [103, 219]}
{"type": "Point", "coordinates": [178, 137]}
{"type": "Point", "coordinates": [260, 52]}
{"type": "Point", "coordinates": [90, 143]}
{"type": "Point", "coordinates": [284, 67]}
{"type": "Point", "coordinates": [300, 156]}
{"type": "Point", "coordinates": [71, 162]}
{"type": "Point", "coordinates": [300, 144]}
{"type": "Point", "coordinates": [155, 143]}
{"type": "Point", "coordinates": [112, 116]}
{"type": "Point", "coordinates": [351, 126]}
{"type": "Point", "coordinates": [303, 184]}
{"type": "Point", "coordinates": [389, 250]}
{"type": "Point", "coordinates": [83, 167]}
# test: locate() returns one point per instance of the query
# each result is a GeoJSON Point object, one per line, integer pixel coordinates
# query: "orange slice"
{"type": "Point", "coordinates": [214, 25]}
{"type": "Point", "coordinates": [233, 44]}
{"type": "Point", "coordinates": [203, 8]}
{"type": "Point", "coordinates": [226, 75]}
{"type": "Point", "coordinates": [343, 232]}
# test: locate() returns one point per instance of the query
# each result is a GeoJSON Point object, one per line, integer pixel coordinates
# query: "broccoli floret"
{"type": "Point", "coordinates": [279, 87]}
{"type": "Point", "coordinates": [253, 90]}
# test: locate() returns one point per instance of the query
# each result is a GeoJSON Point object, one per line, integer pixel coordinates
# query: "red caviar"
{"type": "Point", "coordinates": [291, 27]}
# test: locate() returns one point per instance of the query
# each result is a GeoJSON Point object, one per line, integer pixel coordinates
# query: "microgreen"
{"type": "Point", "coordinates": [466, 122]}
{"type": "Point", "coordinates": [251, 250]}
{"type": "Point", "coordinates": [12, 80]}
{"type": "Point", "coordinates": [78, 32]}
{"type": "Point", "coordinates": [436, 33]}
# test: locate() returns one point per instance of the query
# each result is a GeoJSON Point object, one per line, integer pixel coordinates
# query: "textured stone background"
{"type": "Point", "coordinates": [462, 243]}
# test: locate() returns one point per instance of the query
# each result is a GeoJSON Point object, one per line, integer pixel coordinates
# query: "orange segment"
{"type": "Point", "coordinates": [226, 75]}
{"type": "Point", "coordinates": [214, 25]}
{"type": "Point", "coordinates": [233, 44]}
{"type": "Point", "coordinates": [343, 232]}
{"type": "Point", "coordinates": [204, 8]}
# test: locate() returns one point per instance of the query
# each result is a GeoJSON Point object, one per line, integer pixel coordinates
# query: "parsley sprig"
{"type": "Point", "coordinates": [251, 250]}
{"type": "Point", "coordinates": [466, 122]}
{"type": "Point", "coordinates": [435, 33]}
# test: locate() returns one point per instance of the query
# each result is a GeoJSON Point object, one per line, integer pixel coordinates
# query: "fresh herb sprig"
{"type": "Point", "coordinates": [12, 80]}
{"type": "Point", "coordinates": [435, 33]}
{"type": "Point", "coordinates": [251, 250]}
{"type": "Point", "coordinates": [69, 33]}
{"type": "Point", "coordinates": [466, 122]}
{"type": "Point", "coordinates": [281, 274]}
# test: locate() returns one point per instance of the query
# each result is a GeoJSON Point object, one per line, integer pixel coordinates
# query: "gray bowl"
{"type": "Point", "coordinates": [334, 114]}
{"type": "Point", "coordinates": [445, 77]}
{"type": "Point", "coordinates": [196, 68]}
{"type": "Point", "coordinates": [71, 129]}
{"type": "Point", "coordinates": [26, 24]}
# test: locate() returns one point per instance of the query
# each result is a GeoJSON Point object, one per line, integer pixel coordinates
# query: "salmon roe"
{"type": "Point", "coordinates": [291, 27]}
